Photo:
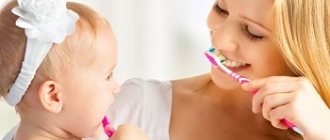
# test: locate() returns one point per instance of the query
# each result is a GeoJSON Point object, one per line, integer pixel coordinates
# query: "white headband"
{"type": "Point", "coordinates": [45, 22]}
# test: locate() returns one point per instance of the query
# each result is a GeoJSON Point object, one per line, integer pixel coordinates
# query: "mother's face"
{"type": "Point", "coordinates": [241, 31]}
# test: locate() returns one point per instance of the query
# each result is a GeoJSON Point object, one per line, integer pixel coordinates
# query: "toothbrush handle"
{"type": "Point", "coordinates": [107, 127]}
{"type": "Point", "coordinates": [243, 80]}
{"type": "Point", "coordinates": [292, 126]}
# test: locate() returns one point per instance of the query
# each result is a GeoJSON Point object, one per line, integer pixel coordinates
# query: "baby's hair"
{"type": "Point", "coordinates": [13, 43]}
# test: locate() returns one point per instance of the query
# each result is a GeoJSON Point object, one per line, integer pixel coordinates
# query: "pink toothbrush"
{"type": "Point", "coordinates": [107, 127]}
{"type": "Point", "coordinates": [219, 63]}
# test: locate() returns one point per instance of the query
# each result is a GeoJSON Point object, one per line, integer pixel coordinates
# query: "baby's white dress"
{"type": "Point", "coordinates": [146, 104]}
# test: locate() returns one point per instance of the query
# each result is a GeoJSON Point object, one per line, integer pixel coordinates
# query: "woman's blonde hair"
{"type": "Point", "coordinates": [13, 42]}
{"type": "Point", "coordinates": [302, 29]}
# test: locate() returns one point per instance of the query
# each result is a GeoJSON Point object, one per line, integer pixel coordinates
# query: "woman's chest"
{"type": "Point", "coordinates": [202, 121]}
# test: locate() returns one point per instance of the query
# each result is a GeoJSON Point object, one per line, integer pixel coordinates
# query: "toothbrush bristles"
{"type": "Point", "coordinates": [212, 49]}
{"type": "Point", "coordinates": [221, 58]}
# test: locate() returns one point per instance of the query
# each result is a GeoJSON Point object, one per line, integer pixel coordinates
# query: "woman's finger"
{"type": "Point", "coordinates": [269, 82]}
{"type": "Point", "coordinates": [278, 114]}
{"type": "Point", "coordinates": [271, 87]}
{"type": "Point", "coordinates": [273, 101]}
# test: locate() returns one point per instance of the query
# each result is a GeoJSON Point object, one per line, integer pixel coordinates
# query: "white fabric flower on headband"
{"type": "Point", "coordinates": [44, 10]}
{"type": "Point", "coordinates": [45, 20]}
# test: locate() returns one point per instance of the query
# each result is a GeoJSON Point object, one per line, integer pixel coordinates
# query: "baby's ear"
{"type": "Point", "coordinates": [51, 97]}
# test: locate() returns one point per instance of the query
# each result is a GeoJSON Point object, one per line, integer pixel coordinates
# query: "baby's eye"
{"type": "Point", "coordinates": [110, 77]}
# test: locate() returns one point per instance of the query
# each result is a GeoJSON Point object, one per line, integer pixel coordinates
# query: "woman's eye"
{"type": "Point", "coordinates": [220, 10]}
{"type": "Point", "coordinates": [249, 35]}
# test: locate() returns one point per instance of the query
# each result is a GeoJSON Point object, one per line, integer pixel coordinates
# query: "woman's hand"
{"type": "Point", "coordinates": [129, 132]}
{"type": "Point", "coordinates": [292, 98]}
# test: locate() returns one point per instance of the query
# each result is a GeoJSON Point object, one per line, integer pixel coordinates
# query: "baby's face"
{"type": "Point", "coordinates": [88, 87]}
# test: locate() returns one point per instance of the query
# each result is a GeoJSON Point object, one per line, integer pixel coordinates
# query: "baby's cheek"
{"type": "Point", "coordinates": [98, 132]}
{"type": "Point", "coordinates": [110, 95]}
{"type": "Point", "coordinates": [104, 102]}
{"type": "Point", "coordinates": [112, 100]}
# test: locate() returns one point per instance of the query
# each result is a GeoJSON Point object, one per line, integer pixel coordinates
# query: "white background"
{"type": "Point", "coordinates": [157, 39]}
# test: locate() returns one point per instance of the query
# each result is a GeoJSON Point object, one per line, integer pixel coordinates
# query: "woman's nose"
{"type": "Point", "coordinates": [223, 37]}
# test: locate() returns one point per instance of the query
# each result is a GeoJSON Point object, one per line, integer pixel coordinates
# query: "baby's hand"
{"type": "Point", "coordinates": [129, 132]}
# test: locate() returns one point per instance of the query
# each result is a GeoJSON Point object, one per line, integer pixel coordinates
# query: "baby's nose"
{"type": "Point", "coordinates": [116, 88]}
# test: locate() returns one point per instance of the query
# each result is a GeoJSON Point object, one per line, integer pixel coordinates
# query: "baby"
{"type": "Point", "coordinates": [56, 65]}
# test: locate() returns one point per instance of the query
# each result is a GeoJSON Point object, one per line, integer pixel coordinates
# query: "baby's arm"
{"type": "Point", "coordinates": [129, 132]}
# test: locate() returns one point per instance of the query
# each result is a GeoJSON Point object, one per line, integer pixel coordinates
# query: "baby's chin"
{"type": "Point", "coordinates": [98, 134]}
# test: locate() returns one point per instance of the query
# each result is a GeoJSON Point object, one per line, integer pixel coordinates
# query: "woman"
{"type": "Point", "coordinates": [282, 45]}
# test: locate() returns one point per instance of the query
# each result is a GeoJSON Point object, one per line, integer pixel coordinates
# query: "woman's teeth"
{"type": "Point", "coordinates": [227, 62]}
{"type": "Point", "coordinates": [217, 53]}
{"type": "Point", "coordinates": [233, 64]}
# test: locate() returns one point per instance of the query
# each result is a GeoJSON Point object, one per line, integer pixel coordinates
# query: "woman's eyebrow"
{"type": "Point", "coordinates": [254, 22]}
